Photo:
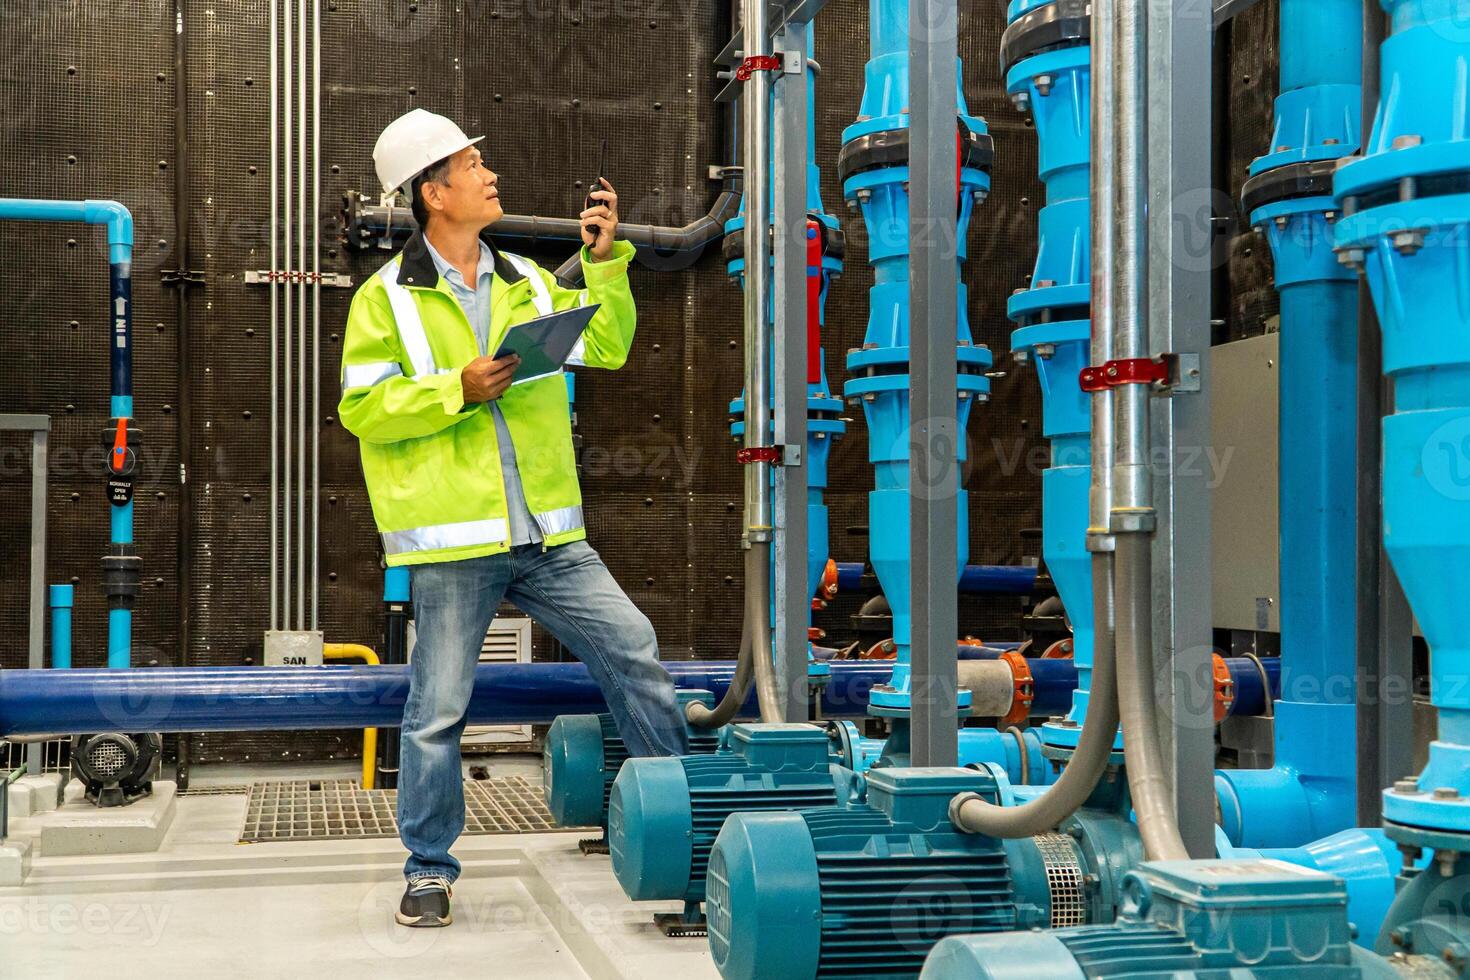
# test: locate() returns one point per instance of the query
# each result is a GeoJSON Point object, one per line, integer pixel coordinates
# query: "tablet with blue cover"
{"type": "Point", "coordinates": [545, 343]}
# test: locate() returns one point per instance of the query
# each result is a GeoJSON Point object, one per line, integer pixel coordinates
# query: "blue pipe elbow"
{"type": "Point", "coordinates": [1309, 797]}
{"type": "Point", "coordinates": [1364, 858]}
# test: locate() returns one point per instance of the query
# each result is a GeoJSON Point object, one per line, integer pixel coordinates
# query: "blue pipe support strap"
{"type": "Point", "coordinates": [60, 599]}
{"type": "Point", "coordinates": [881, 368]}
{"type": "Point", "coordinates": [237, 699]}
{"type": "Point", "coordinates": [1311, 790]}
{"type": "Point", "coordinates": [1406, 220]}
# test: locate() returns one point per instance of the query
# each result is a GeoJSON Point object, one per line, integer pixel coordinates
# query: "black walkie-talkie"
{"type": "Point", "coordinates": [596, 185]}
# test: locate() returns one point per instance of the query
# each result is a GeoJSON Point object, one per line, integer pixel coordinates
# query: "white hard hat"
{"type": "Point", "coordinates": [414, 141]}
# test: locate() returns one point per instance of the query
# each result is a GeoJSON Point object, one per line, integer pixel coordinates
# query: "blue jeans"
{"type": "Point", "coordinates": [569, 591]}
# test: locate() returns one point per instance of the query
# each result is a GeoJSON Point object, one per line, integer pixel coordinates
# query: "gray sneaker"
{"type": "Point", "coordinates": [425, 903]}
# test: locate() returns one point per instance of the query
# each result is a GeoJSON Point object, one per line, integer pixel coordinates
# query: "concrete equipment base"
{"type": "Point", "coordinates": [31, 795]}
{"type": "Point", "coordinates": [527, 905]}
{"type": "Point", "coordinates": [78, 827]}
{"type": "Point", "coordinates": [15, 861]}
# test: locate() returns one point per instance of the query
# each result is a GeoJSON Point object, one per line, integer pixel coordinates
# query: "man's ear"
{"type": "Point", "coordinates": [433, 195]}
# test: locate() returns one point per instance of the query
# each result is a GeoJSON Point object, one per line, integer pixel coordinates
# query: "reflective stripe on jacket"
{"type": "Point", "coordinates": [432, 462]}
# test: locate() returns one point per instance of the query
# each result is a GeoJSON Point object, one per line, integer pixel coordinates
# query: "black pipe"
{"type": "Point", "coordinates": [369, 225]}
{"type": "Point", "coordinates": [395, 651]}
{"type": "Point", "coordinates": [183, 563]}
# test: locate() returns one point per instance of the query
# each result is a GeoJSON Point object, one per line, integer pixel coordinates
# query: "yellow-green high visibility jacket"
{"type": "Point", "coordinates": [432, 462]}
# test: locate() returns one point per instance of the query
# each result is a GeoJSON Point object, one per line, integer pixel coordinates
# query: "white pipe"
{"type": "Point", "coordinates": [275, 349]}
{"type": "Point", "coordinates": [288, 76]}
{"type": "Point", "coordinates": [301, 220]}
{"type": "Point", "coordinates": [316, 303]}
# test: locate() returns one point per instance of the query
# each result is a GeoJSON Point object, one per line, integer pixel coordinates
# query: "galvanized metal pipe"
{"type": "Point", "coordinates": [275, 348]}
{"type": "Point", "coordinates": [1132, 494]}
{"type": "Point", "coordinates": [302, 218]}
{"type": "Point", "coordinates": [316, 307]}
{"type": "Point", "coordinates": [756, 104]}
{"type": "Point", "coordinates": [288, 80]}
{"type": "Point", "coordinates": [1104, 250]}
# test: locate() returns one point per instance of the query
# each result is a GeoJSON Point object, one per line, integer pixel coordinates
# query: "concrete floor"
{"type": "Point", "coordinates": [204, 905]}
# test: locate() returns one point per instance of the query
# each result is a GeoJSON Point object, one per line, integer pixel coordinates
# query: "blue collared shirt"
{"type": "Point", "coordinates": [476, 305]}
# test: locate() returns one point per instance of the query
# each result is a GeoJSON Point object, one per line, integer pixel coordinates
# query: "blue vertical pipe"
{"type": "Point", "coordinates": [1406, 225]}
{"type": "Point", "coordinates": [880, 369]}
{"type": "Point", "coordinates": [824, 426]}
{"type": "Point", "coordinates": [119, 224]}
{"type": "Point", "coordinates": [60, 600]}
{"type": "Point", "coordinates": [1310, 792]}
{"type": "Point", "coordinates": [1055, 84]}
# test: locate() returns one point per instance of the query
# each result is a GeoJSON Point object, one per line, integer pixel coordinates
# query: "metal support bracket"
{"type": "Point", "coordinates": [183, 277]}
{"type": "Point", "coordinates": [265, 277]}
{"type": "Point", "coordinates": [1183, 373]}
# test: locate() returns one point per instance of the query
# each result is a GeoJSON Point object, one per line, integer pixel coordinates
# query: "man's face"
{"type": "Point", "coordinates": [468, 194]}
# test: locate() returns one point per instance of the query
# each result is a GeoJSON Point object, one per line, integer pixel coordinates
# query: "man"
{"type": "Point", "coordinates": [473, 480]}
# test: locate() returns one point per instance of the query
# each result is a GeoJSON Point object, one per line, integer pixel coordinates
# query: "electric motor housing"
{"type": "Point", "coordinates": [115, 768]}
{"type": "Point", "coordinates": [584, 754]}
{"type": "Point", "coordinates": [865, 889]}
{"type": "Point", "coordinates": [1192, 919]}
{"type": "Point", "coordinates": [664, 814]}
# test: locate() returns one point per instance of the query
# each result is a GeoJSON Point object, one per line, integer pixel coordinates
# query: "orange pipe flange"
{"type": "Point", "coordinates": [1224, 689]}
{"type": "Point", "coordinates": [815, 633]}
{"type": "Point", "coordinates": [1060, 650]}
{"type": "Point", "coordinates": [1025, 689]}
{"type": "Point", "coordinates": [827, 588]}
{"type": "Point", "coordinates": [882, 650]}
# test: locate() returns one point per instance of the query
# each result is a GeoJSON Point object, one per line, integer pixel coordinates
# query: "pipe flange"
{"type": "Point", "coordinates": [890, 148]}
{"type": "Point", "coordinates": [1224, 685]}
{"type": "Point", "coordinates": [1312, 178]}
{"type": "Point", "coordinates": [834, 241]}
{"type": "Point", "coordinates": [1051, 314]}
{"type": "Point", "coordinates": [1025, 690]}
{"type": "Point", "coordinates": [1061, 24]}
{"type": "Point", "coordinates": [1412, 189]}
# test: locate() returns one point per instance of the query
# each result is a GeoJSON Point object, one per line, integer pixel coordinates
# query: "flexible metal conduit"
{"type": "Point", "coordinates": [975, 815]}
{"type": "Point", "coordinates": [756, 561]}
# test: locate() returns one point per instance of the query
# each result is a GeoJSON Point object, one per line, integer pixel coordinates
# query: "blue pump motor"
{"type": "Point", "coordinates": [584, 753]}
{"type": "Point", "coordinates": [866, 889]}
{"type": "Point", "coordinates": [1257, 918]}
{"type": "Point", "coordinates": [664, 814]}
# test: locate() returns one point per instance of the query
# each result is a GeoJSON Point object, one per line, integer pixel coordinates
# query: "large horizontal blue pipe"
{"type": "Point", "coordinates": [238, 699]}
{"type": "Point", "coordinates": [974, 580]}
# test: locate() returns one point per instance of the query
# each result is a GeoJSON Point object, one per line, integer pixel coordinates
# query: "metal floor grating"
{"type": "Point", "coordinates": [223, 789]}
{"type": "Point", "coordinates": [330, 809]}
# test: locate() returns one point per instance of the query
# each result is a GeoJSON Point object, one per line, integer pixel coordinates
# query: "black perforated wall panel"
{"type": "Point", "coordinates": [88, 111]}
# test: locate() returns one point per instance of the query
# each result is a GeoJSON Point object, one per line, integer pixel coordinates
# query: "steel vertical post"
{"type": "Point", "coordinates": [789, 184]}
{"type": "Point", "coordinates": [1180, 239]}
{"type": "Point", "coordinates": [36, 636]}
{"type": "Point", "coordinates": [934, 433]}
